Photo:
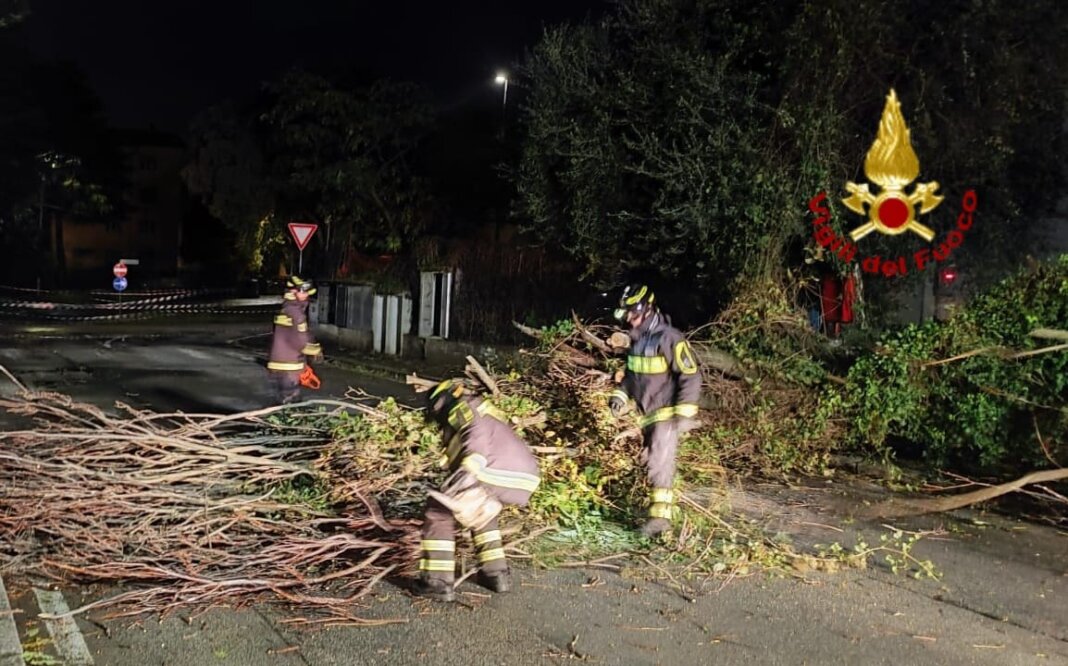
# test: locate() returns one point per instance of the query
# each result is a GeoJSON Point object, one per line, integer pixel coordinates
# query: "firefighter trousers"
{"type": "Point", "coordinates": [285, 384]}
{"type": "Point", "coordinates": [439, 538]}
{"type": "Point", "coordinates": [660, 443]}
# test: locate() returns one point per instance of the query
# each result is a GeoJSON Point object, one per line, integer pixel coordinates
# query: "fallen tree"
{"type": "Point", "coordinates": [898, 508]}
{"type": "Point", "coordinates": [190, 507]}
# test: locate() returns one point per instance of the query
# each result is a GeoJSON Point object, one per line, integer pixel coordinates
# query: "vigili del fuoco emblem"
{"type": "Point", "coordinates": [892, 165]}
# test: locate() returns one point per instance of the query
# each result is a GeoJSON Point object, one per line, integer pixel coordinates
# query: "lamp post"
{"type": "Point", "coordinates": [502, 80]}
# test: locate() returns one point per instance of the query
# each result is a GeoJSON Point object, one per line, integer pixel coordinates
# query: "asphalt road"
{"type": "Point", "coordinates": [1003, 598]}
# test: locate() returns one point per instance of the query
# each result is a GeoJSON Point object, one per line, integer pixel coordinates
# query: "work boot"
{"type": "Point", "coordinates": [654, 527]}
{"type": "Point", "coordinates": [495, 581]}
{"type": "Point", "coordinates": [434, 588]}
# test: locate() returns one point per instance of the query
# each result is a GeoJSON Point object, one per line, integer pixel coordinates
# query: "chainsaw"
{"type": "Point", "coordinates": [309, 379]}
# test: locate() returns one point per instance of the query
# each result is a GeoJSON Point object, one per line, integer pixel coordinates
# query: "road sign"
{"type": "Point", "coordinates": [302, 233]}
{"type": "Point", "coordinates": [119, 284]}
{"type": "Point", "coordinates": [119, 270]}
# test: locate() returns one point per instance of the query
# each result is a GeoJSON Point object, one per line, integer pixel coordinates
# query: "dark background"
{"type": "Point", "coordinates": [159, 63]}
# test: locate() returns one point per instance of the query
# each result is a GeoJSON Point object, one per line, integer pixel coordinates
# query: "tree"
{"type": "Point", "coordinates": [227, 171]}
{"type": "Point", "coordinates": [681, 140]}
{"type": "Point", "coordinates": [308, 149]}
{"type": "Point", "coordinates": [346, 156]}
{"type": "Point", "coordinates": [55, 156]}
{"type": "Point", "coordinates": [12, 12]}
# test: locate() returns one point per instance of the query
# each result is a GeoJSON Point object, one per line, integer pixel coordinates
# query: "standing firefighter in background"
{"type": "Point", "coordinates": [663, 380]}
{"type": "Point", "coordinates": [489, 466]}
{"type": "Point", "coordinates": [292, 341]}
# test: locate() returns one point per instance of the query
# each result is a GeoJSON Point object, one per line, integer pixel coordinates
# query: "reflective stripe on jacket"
{"type": "Point", "coordinates": [481, 441]}
{"type": "Point", "coordinates": [292, 339]}
{"type": "Point", "coordinates": [662, 375]}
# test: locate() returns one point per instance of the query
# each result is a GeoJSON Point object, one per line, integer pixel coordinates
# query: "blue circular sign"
{"type": "Point", "coordinates": [119, 283]}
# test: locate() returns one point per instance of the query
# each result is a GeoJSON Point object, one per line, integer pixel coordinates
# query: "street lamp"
{"type": "Point", "coordinates": [502, 79]}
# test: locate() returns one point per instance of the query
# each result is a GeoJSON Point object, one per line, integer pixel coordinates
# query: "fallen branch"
{"type": "Point", "coordinates": [1049, 334]}
{"type": "Point", "coordinates": [526, 330]}
{"type": "Point", "coordinates": [895, 508]}
{"type": "Point", "coordinates": [590, 337]}
{"type": "Point", "coordinates": [483, 376]}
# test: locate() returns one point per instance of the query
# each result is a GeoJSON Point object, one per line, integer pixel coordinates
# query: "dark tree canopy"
{"type": "Point", "coordinates": [682, 140]}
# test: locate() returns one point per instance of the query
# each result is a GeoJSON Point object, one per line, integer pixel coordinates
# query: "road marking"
{"type": "Point", "coordinates": [66, 635]}
{"type": "Point", "coordinates": [10, 645]}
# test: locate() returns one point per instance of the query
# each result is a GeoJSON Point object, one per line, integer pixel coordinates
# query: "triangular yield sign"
{"type": "Point", "coordinates": [302, 232]}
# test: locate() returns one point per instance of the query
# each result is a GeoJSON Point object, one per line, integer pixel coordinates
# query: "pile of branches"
{"type": "Point", "coordinates": [185, 506]}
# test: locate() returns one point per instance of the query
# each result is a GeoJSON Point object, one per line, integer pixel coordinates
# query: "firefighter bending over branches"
{"type": "Point", "coordinates": [292, 343]}
{"type": "Point", "coordinates": [489, 466]}
{"type": "Point", "coordinates": [663, 380]}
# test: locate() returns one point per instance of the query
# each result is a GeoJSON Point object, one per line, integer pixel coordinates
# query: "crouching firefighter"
{"type": "Point", "coordinates": [663, 380]}
{"type": "Point", "coordinates": [292, 342]}
{"type": "Point", "coordinates": [489, 466]}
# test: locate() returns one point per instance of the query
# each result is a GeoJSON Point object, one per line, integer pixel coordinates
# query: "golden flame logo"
{"type": "Point", "coordinates": [892, 164]}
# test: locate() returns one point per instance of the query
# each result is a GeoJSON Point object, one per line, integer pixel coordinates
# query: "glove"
{"type": "Point", "coordinates": [468, 500]}
{"type": "Point", "coordinates": [617, 405]}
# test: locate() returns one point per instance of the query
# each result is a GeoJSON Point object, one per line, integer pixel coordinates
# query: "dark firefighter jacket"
{"type": "Point", "coordinates": [292, 340]}
{"type": "Point", "coordinates": [480, 440]}
{"type": "Point", "coordinates": [662, 376]}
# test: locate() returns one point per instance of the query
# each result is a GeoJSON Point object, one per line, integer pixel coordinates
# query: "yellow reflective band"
{"type": "Point", "coordinates": [283, 320]}
{"type": "Point", "coordinates": [476, 464]}
{"type": "Point", "coordinates": [662, 495]}
{"type": "Point", "coordinates": [486, 408]}
{"type": "Point", "coordinates": [662, 414]}
{"type": "Point", "coordinates": [491, 555]}
{"type": "Point", "coordinates": [660, 511]}
{"type": "Point", "coordinates": [619, 393]}
{"type": "Point", "coordinates": [487, 537]}
{"type": "Point", "coordinates": [441, 545]}
{"type": "Point", "coordinates": [285, 366]}
{"type": "Point", "coordinates": [684, 360]}
{"type": "Point", "coordinates": [453, 449]}
{"type": "Point", "coordinates": [302, 327]}
{"type": "Point", "coordinates": [289, 297]}
{"type": "Point", "coordinates": [313, 349]}
{"type": "Point", "coordinates": [638, 296]}
{"type": "Point", "coordinates": [686, 409]}
{"type": "Point", "coordinates": [460, 415]}
{"type": "Point", "coordinates": [647, 365]}
{"type": "Point", "coordinates": [437, 565]}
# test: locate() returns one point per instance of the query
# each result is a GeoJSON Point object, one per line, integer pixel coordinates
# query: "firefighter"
{"type": "Point", "coordinates": [292, 341]}
{"type": "Point", "coordinates": [663, 381]}
{"type": "Point", "coordinates": [489, 466]}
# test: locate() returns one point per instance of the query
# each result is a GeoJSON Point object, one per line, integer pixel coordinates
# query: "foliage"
{"type": "Point", "coordinates": [646, 147]}
{"type": "Point", "coordinates": [988, 409]}
{"type": "Point", "coordinates": [319, 151]}
{"type": "Point", "coordinates": [226, 169]}
{"type": "Point", "coordinates": [681, 141]}
{"type": "Point", "coordinates": [56, 156]}
{"type": "Point", "coordinates": [13, 12]}
{"type": "Point", "coordinates": [782, 416]}
{"type": "Point", "coordinates": [346, 156]}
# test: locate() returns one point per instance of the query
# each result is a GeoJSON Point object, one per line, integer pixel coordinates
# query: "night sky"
{"type": "Point", "coordinates": [159, 62]}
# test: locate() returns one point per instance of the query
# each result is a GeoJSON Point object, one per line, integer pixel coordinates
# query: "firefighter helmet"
{"type": "Point", "coordinates": [442, 399]}
{"type": "Point", "coordinates": [636, 298]}
{"type": "Point", "coordinates": [297, 284]}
